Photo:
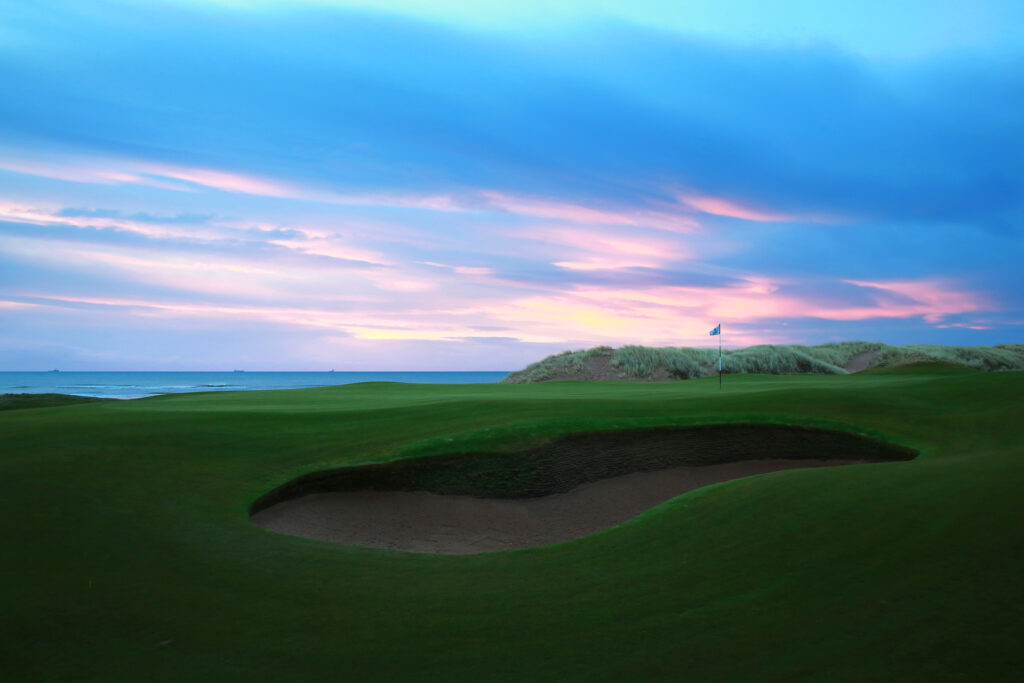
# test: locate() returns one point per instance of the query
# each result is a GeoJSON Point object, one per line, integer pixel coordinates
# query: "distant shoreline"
{"type": "Point", "coordinates": [126, 384]}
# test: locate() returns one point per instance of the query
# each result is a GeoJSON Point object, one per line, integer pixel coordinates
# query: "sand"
{"type": "Point", "coordinates": [861, 361]}
{"type": "Point", "coordinates": [423, 522]}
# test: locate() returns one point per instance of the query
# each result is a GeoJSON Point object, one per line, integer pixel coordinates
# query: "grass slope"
{"type": "Point", "coordinates": [21, 401]}
{"type": "Point", "coordinates": [634, 363]}
{"type": "Point", "coordinates": [128, 553]}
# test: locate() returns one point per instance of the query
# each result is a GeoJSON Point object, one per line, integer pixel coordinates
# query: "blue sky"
{"type": "Point", "coordinates": [447, 185]}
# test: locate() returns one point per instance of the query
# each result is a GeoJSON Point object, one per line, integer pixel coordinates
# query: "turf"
{"type": "Point", "coordinates": [22, 401]}
{"type": "Point", "coordinates": [128, 553]}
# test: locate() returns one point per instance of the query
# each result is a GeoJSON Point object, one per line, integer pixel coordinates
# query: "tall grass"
{"type": "Point", "coordinates": [838, 353]}
{"type": "Point", "coordinates": [778, 360]}
{"type": "Point", "coordinates": [646, 363]}
{"type": "Point", "coordinates": [988, 358]}
{"type": "Point", "coordinates": [561, 365]}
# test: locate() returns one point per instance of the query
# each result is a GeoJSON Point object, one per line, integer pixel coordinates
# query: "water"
{"type": "Point", "coordinates": [140, 384]}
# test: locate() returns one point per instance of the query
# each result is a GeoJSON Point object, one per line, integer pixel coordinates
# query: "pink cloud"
{"type": "Point", "coordinates": [188, 178]}
{"type": "Point", "coordinates": [57, 171]}
{"type": "Point", "coordinates": [461, 270]}
{"type": "Point", "coordinates": [604, 250]}
{"type": "Point", "coordinates": [437, 202]}
{"type": "Point", "coordinates": [15, 304]}
{"type": "Point", "coordinates": [366, 324]}
{"type": "Point", "coordinates": [265, 187]}
{"type": "Point", "coordinates": [598, 263]}
{"type": "Point", "coordinates": [218, 180]}
{"type": "Point", "coordinates": [967, 326]}
{"type": "Point", "coordinates": [718, 206]}
{"type": "Point", "coordinates": [662, 315]}
{"type": "Point", "coordinates": [107, 171]}
{"type": "Point", "coordinates": [419, 300]}
{"type": "Point", "coordinates": [333, 248]}
{"type": "Point", "coordinates": [85, 171]}
{"type": "Point", "coordinates": [136, 179]}
{"type": "Point", "coordinates": [194, 274]}
{"type": "Point", "coordinates": [307, 242]}
{"type": "Point", "coordinates": [473, 270]}
{"type": "Point", "coordinates": [931, 299]}
{"type": "Point", "coordinates": [676, 315]}
{"type": "Point", "coordinates": [563, 211]}
{"type": "Point", "coordinates": [46, 216]}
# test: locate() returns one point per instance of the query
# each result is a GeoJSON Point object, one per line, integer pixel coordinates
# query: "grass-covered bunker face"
{"type": "Point", "coordinates": [567, 488]}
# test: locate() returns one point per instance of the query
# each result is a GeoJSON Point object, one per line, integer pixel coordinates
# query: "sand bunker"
{"type": "Point", "coordinates": [861, 361]}
{"type": "Point", "coordinates": [423, 522]}
{"type": "Point", "coordinates": [569, 488]}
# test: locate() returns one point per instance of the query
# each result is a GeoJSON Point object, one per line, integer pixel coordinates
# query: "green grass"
{"type": "Point", "coordinates": [128, 554]}
{"type": "Point", "coordinates": [644, 363]}
{"type": "Point", "coordinates": [20, 401]}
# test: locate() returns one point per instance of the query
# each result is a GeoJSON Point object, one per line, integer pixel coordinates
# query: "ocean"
{"type": "Point", "coordinates": [140, 384]}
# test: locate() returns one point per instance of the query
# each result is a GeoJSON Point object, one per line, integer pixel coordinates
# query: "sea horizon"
{"type": "Point", "coordinates": [128, 384]}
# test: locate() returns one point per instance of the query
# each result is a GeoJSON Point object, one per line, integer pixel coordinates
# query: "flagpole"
{"type": "Point", "coordinates": [719, 356]}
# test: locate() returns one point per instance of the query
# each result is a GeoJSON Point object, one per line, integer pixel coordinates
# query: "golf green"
{"type": "Point", "coordinates": [129, 553]}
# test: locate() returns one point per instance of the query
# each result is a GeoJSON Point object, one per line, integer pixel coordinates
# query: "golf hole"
{"type": "Point", "coordinates": [568, 488]}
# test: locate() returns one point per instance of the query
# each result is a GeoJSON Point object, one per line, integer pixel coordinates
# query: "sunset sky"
{"type": "Point", "coordinates": [472, 186]}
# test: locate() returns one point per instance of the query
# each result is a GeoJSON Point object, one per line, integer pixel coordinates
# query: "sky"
{"type": "Point", "coordinates": [443, 185]}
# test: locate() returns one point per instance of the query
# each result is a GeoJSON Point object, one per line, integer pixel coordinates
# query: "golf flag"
{"type": "Point", "coordinates": [718, 332]}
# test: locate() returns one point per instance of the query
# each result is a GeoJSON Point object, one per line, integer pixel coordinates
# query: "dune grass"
{"type": "Point", "coordinates": [643, 361]}
{"type": "Point", "coordinates": [987, 358]}
{"type": "Point", "coordinates": [646, 363]}
{"type": "Point", "coordinates": [564, 363]}
{"type": "Point", "coordinates": [128, 553]}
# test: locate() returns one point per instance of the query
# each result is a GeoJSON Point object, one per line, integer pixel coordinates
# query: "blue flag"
{"type": "Point", "coordinates": [717, 330]}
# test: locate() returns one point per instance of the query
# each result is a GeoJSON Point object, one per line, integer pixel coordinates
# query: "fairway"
{"type": "Point", "coordinates": [129, 553]}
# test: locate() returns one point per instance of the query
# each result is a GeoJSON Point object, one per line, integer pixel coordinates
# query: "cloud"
{"type": "Point", "coordinates": [724, 207]}
{"type": "Point", "coordinates": [138, 216]}
{"type": "Point", "coordinates": [221, 180]}
{"type": "Point", "coordinates": [590, 249]}
{"type": "Point", "coordinates": [183, 233]}
{"type": "Point", "coordinates": [470, 200]}
{"type": "Point", "coordinates": [462, 270]}
{"type": "Point", "coordinates": [605, 120]}
{"type": "Point", "coordinates": [933, 300]}
{"type": "Point", "coordinates": [428, 182]}
{"type": "Point", "coordinates": [560, 210]}
{"type": "Point", "coordinates": [660, 315]}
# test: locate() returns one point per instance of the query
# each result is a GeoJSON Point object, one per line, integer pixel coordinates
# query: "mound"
{"type": "Point", "coordinates": [921, 366]}
{"type": "Point", "coordinates": [646, 364]}
{"type": "Point", "coordinates": [569, 488]}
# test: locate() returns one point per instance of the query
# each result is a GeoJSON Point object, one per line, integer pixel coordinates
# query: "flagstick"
{"type": "Point", "coordinates": [719, 356]}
